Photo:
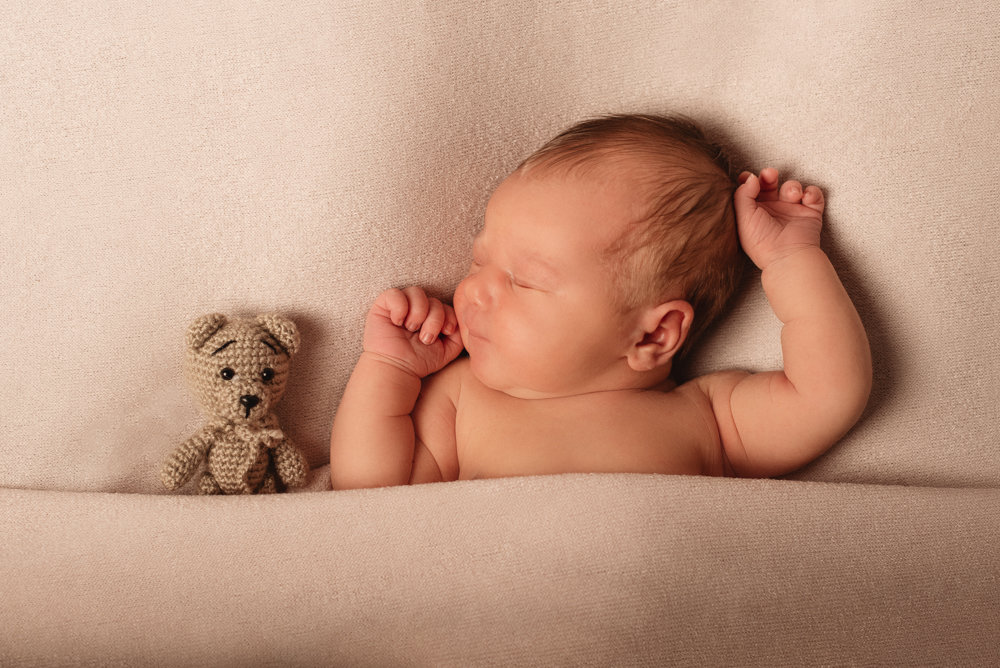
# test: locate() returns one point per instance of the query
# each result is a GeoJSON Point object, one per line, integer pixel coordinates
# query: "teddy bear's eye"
{"type": "Point", "coordinates": [267, 375]}
{"type": "Point", "coordinates": [227, 373]}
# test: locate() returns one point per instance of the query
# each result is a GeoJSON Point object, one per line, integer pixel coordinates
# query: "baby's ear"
{"type": "Point", "coordinates": [282, 329]}
{"type": "Point", "coordinates": [202, 329]}
{"type": "Point", "coordinates": [662, 331]}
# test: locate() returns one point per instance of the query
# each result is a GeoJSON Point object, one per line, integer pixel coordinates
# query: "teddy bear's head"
{"type": "Point", "coordinates": [237, 367]}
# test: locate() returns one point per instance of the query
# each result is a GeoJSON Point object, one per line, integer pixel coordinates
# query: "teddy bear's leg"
{"type": "Point", "coordinates": [290, 464]}
{"type": "Point", "coordinates": [269, 485]}
{"type": "Point", "coordinates": [208, 485]}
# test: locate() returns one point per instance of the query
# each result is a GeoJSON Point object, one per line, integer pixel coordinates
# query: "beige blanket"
{"type": "Point", "coordinates": [163, 160]}
{"type": "Point", "coordinates": [566, 570]}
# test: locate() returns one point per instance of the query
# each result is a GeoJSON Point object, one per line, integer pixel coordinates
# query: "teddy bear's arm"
{"type": "Point", "coordinates": [290, 464]}
{"type": "Point", "coordinates": [181, 465]}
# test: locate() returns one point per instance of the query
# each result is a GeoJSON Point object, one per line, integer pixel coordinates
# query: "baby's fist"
{"type": "Point", "coordinates": [413, 331]}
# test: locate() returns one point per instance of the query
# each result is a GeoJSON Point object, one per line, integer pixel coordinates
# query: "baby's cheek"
{"type": "Point", "coordinates": [460, 302]}
{"type": "Point", "coordinates": [532, 352]}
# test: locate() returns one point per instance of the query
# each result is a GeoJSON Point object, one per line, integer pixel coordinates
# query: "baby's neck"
{"type": "Point", "coordinates": [657, 380]}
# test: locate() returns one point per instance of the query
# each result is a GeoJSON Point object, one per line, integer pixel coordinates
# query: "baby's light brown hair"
{"type": "Point", "coordinates": [685, 244]}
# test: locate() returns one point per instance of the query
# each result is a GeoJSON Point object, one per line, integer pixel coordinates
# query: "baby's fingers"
{"type": "Point", "coordinates": [450, 321]}
{"type": "Point", "coordinates": [790, 191]}
{"type": "Point", "coordinates": [768, 184]}
{"type": "Point", "coordinates": [745, 197]}
{"type": "Point", "coordinates": [419, 305]}
{"type": "Point", "coordinates": [813, 198]}
{"type": "Point", "coordinates": [433, 323]}
{"type": "Point", "coordinates": [395, 304]}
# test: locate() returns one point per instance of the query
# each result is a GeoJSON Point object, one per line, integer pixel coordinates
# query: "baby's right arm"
{"type": "Point", "coordinates": [408, 336]}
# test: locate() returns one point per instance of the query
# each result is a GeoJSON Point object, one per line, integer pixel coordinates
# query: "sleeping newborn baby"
{"type": "Point", "coordinates": [601, 260]}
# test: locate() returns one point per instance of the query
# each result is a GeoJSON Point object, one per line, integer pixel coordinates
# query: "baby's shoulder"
{"type": "Point", "coordinates": [716, 384]}
{"type": "Point", "coordinates": [707, 396]}
{"type": "Point", "coordinates": [706, 403]}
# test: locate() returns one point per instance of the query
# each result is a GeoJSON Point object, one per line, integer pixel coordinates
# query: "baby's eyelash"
{"type": "Point", "coordinates": [520, 284]}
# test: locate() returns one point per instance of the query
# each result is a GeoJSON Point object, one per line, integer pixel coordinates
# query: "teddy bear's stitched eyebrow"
{"type": "Point", "coordinates": [273, 349]}
{"type": "Point", "coordinates": [224, 346]}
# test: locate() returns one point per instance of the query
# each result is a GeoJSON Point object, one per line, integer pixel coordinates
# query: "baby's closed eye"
{"type": "Point", "coordinates": [519, 283]}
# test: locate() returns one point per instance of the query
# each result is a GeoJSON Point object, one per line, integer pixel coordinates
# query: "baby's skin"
{"type": "Point", "coordinates": [559, 379]}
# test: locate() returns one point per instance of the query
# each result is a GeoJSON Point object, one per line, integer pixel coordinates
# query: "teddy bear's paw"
{"type": "Point", "coordinates": [172, 475]}
{"type": "Point", "coordinates": [297, 480]}
{"type": "Point", "coordinates": [292, 468]}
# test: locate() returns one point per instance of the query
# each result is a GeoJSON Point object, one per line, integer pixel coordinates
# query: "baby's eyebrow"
{"type": "Point", "coordinates": [522, 257]}
{"type": "Point", "coordinates": [538, 261]}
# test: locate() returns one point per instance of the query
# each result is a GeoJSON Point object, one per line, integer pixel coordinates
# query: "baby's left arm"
{"type": "Point", "coordinates": [773, 423]}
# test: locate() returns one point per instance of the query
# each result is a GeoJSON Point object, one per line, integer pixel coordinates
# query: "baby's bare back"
{"type": "Point", "coordinates": [628, 431]}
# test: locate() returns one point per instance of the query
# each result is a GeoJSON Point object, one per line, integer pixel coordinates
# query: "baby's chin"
{"type": "Point", "coordinates": [494, 382]}
{"type": "Point", "coordinates": [510, 386]}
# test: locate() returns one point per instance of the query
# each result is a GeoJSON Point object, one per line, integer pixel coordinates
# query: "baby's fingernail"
{"type": "Point", "coordinates": [427, 338]}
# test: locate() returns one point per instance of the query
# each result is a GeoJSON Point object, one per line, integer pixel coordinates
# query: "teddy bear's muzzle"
{"type": "Point", "coordinates": [249, 401]}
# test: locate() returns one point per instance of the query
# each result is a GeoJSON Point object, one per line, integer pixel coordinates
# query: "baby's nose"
{"type": "Point", "coordinates": [479, 288]}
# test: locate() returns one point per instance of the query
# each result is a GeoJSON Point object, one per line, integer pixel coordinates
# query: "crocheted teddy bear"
{"type": "Point", "coordinates": [238, 369]}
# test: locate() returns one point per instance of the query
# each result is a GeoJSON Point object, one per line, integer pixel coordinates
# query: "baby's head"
{"type": "Point", "coordinates": [679, 241]}
{"type": "Point", "coordinates": [602, 258]}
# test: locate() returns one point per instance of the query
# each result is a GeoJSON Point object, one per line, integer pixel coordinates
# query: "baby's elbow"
{"type": "Point", "coordinates": [821, 423]}
{"type": "Point", "coordinates": [859, 383]}
{"type": "Point", "coordinates": [838, 411]}
{"type": "Point", "coordinates": [852, 399]}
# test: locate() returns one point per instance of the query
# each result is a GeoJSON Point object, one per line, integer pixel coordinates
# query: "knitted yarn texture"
{"type": "Point", "coordinates": [238, 369]}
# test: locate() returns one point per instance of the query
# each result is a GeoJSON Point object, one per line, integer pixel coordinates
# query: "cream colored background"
{"type": "Point", "coordinates": [163, 160]}
{"type": "Point", "coordinates": [159, 163]}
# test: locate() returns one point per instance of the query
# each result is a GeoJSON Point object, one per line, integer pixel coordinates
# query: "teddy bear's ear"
{"type": "Point", "coordinates": [282, 329]}
{"type": "Point", "coordinates": [202, 329]}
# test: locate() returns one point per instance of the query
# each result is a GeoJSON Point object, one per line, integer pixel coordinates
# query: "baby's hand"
{"type": "Point", "coordinates": [774, 223]}
{"type": "Point", "coordinates": [416, 333]}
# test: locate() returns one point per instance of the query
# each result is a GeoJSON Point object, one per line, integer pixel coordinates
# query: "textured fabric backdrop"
{"type": "Point", "coordinates": [159, 162]}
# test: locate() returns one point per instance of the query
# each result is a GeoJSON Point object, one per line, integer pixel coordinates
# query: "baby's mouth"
{"type": "Point", "coordinates": [469, 332]}
{"type": "Point", "coordinates": [472, 336]}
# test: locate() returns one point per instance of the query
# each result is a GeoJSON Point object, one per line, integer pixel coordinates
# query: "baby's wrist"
{"type": "Point", "coordinates": [383, 385]}
{"type": "Point", "coordinates": [788, 267]}
{"type": "Point", "coordinates": [387, 365]}
{"type": "Point", "coordinates": [790, 255]}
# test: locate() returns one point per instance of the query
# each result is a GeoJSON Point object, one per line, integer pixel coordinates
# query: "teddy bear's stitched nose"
{"type": "Point", "coordinates": [248, 401]}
